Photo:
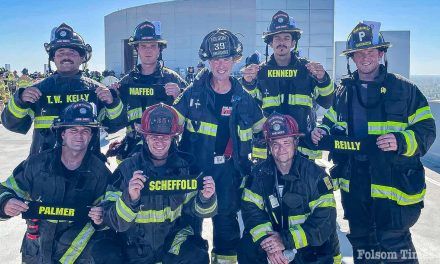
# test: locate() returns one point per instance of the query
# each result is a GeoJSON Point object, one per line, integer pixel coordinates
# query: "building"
{"type": "Point", "coordinates": [398, 55]}
{"type": "Point", "coordinates": [184, 23]}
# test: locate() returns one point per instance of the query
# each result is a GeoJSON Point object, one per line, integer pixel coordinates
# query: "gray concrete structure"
{"type": "Point", "coordinates": [398, 55]}
{"type": "Point", "coordinates": [186, 22]}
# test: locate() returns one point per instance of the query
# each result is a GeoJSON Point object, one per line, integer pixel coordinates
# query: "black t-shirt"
{"type": "Point", "coordinates": [223, 108]}
{"type": "Point", "coordinates": [71, 177]}
{"type": "Point", "coordinates": [360, 122]}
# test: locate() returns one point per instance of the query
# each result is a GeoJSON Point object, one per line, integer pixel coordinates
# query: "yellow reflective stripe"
{"type": "Point", "coordinates": [380, 128]}
{"type": "Point", "coordinates": [10, 183]}
{"type": "Point", "coordinates": [245, 134]}
{"type": "Point", "coordinates": [181, 117]}
{"type": "Point", "coordinates": [112, 196]}
{"type": "Point", "coordinates": [411, 142]}
{"type": "Point", "coordinates": [134, 114]}
{"type": "Point", "coordinates": [327, 90]}
{"type": "Point", "coordinates": [114, 112]}
{"type": "Point", "coordinates": [271, 101]}
{"type": "Point", "coordinates": [297, 219]}
{"type": "Point", "coordinates": [15, 110]}
{"type": "Point", "coordinates": [344, 184]}
{"type": "Point", "coordinates": [421, 114]}
{"type": "Point", "coordinates": [158, 216]}
{"type": "Point", "coordinates": [333, 117]}
{"type": "Point", "coordinates": [325, 127]}
{"type": "Point", "coordinates": [335, 183]}
{"type": "Point", "coordinates": [326, 200]}
{"type": "Point", "coordinates": [299, 236]}
{"type": "Point", "coordinates": [223, 259]}
{"type": "Point", "coordinates": [312, 154]}
{"type": "Point", "coordinates": [205, 128]}
{"type": "Point", "coordinates": [205, 211]}
{"type": "Point", "coordinates": [260, 231]}
{"type": "Point", "coordinates": [179, 239]}
{"type": "Point", "coordinates": [257, 127]}
{"type": "Point", "coordinates": [102, 114]}
{"type": "Point", "coordinates": [254, 198]}
{"type": "Point", "coordinates": [255, 93]}
{"type": "Point", "coordinates": [189, 196]}
{"type": "Point", "coordinates": [300, 99]}
{"type": "Point", "coordinates": [78, 244]}
{"type": "Point", "coordinates": [337, 259]}
{"type": "Point", "coordinates": [401, 198]}
{"type": "Point", "coordinates": [260, 153]}
{"type": "Point", "coordinates": [44, 121]}
{"type": "Point", "coordinates": [124, 211]}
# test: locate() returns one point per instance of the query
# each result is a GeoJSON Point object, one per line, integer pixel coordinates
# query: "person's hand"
{"type": "Point", "coordinates": [172, 89]}
{"type": "Point", "coordinates": [136, 184]}
{"type": "Point", "coordinates": [104, 94]}
{"type": "Point", "coordinates": [30, 95]}
{"type": "Point", "coordinates": [208, 187]}
{"type": "Point", "coordinates": [316, 69]}
{"type": "Point", "coordinates": [387, 142]}
{"type": "Point", "coordinates": [277, 258]}
{"type": "Point", "coordinates": [273, 243]}
{"type": "Point", "coordinates": [96, 214]}
{"type": "Point", "coordinates": [114, 86]}
{"type": "Point", "coordinates": [317, 134]}
{"type": "Point", "coordinates": [14, 207]}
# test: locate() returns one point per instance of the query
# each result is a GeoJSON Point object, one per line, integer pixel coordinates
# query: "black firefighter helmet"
{"type": "Point", "coordinates": [254, 58]}
{"type": "Point", "coordinates": [361, 38]}
{"type": "Point", "coordinates": [147, 32]}
{"type": "Point", "coordinates": [64, 37]}
{"type": "Point", "coordinates": [80, 113]}
{"type": "Point", "coordinates": [190, 69]}
{"type": "Point", "coordinates": [220, 43]}
{"type": "Point", "coordinates": [281, 23]}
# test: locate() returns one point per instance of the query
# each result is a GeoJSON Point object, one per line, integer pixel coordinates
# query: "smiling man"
{"type": "Point", "coordinates": [221, 118]}
{"type": "Point", "coordinates": [149, 83]}
{"type": "Point", "coordinates": [45, 100]}
{"type": "Point", "coordinates": [290, 84]}
{"type": "Point", "coordinates": [382, 191]}
{"type": "Point", "coordinates": [288, 208]}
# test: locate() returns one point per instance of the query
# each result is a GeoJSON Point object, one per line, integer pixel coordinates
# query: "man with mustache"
{"type": "Point", "coordinates": [68, 175]}
{"type": "Point", "coordinates": [44, 101]}
{"type": "Point", "coordinates": [382, 190]}
{"type": "Point", "coordinates": [289, 84]}
{"type": "Point", "coordinates": [149, 83]}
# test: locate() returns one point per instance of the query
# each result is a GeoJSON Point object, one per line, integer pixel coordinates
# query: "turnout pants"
{"type": "Point", "coordinates": [379, 228]}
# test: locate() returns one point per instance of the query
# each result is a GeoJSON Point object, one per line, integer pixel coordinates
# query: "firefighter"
{"type": "Point", "coordinates": [382, 190]}
{"type": "Point", "coordinates": [288, 207]}
{"type": "Point", "coordinates": [45, 100]}
{"type": "Point", "coordinates": [221, 118]}
{"type": "Point", "coordinates": [289, 84]}
{"type": "Point", "coordinates": [149, 83]}
{"type": "Point", "coordinates": [189, 78]}
{"type": "Point", "coordinates": [24, 80]}
{"type": "Point", "coordinates": [249, 79]}
{"type": "Point", "coordinates": [150, 225]}
{"type": "Point", "coordinates": [69, 174]}
{"type": "Point", "coordinates": [200, 67]}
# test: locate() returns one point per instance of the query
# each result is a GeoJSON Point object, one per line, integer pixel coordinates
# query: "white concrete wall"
{"type": "Point", "coordinates": [398, 55]}
{"type": "Point", "coordinates": [186, 22]}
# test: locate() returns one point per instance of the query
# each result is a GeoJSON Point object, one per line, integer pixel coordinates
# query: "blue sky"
{"type": "Point", "coordinates": [26, 25]}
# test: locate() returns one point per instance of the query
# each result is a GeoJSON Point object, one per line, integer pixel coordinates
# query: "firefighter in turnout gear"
{"type": "Point", "coordinates": [151, 225]}
{"type": "Point", "coordinates": [249, 79]}
{"type": "Point", "coordinates": [45, 100]}
{"type": "Point", "coordinates": [148, 84]}
{"type": "Point", "coordinates": [221, 118]}
{"type": "Point", "coordinates": [289, 84]}
{"type": "Point", "coordinates": [67, 175]}
{"type": "Point", "coordinates": [382, 189]}
{"type": "Point", "coordinates": [288, 205]}
{"type": "Point", "coordinates": [189, 78]}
